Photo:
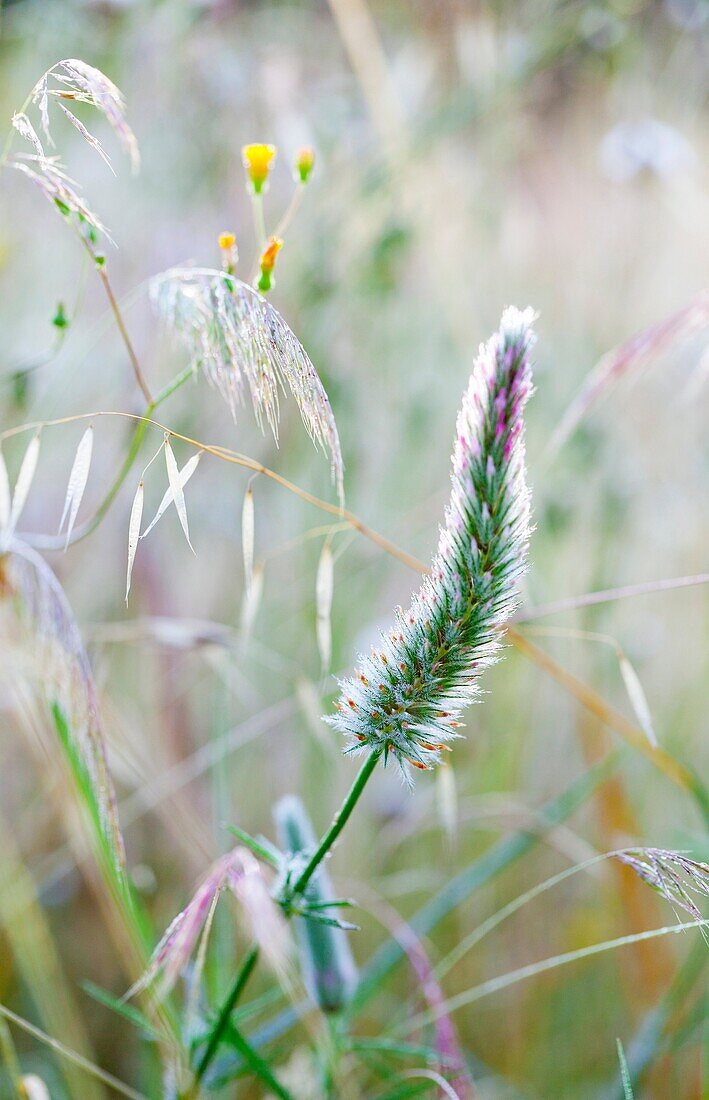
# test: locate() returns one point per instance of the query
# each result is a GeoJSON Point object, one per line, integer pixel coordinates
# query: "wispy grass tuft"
{"type": "Point", "coordinates": [59, 668]}
{"type": "Point", "coordinates": [244, 346]}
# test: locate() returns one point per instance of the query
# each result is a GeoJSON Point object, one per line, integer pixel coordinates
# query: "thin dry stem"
{"type": "Point", "coordinates": [116, 310]}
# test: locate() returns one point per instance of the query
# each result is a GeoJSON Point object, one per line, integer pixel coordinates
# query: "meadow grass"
{"type": "Point", "coordinates": [248, 913]}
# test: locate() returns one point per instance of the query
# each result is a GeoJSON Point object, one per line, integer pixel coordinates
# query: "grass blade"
{"type": "Point", "coordinates": [77, 482]}
{"type": "Point", "coordinates": [128, 1012]}
{"type": "Point", "coordinates": [257, 1064]}
{"type": "Point", "coordinates": [637, 697]}
{"type": "Point", "coordinates": [173, 476]}
{"type": "Point", "coordinates": [71, 1055]}
{"type": "Point", "coordinates": [624, 1072]}
{"type": "Point", "coordinates": [324, 586]}
{"type": "Point", "coordinates": [523, 973]}
{"type": "Point", "coordinates": [651, 1035]}
{"type": "Point", "coordinates": [24, 482]}
{"type": "Point", "coordinates": [447, 801]}
{"type": "Point", "coordinates": [185, 474]}
{"type": "Point", "coordinates": [136, 515]}
{"type": "Point", "coordinates": [4, 494]}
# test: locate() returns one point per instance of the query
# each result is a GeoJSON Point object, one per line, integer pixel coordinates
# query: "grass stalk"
{"type": "Point", "coordinates": [121, 326]}
{"type": "Point", "coordinates": [224, 1018]}
{"type": "Point", "coordinates": [72, 1056]}
{"type": "Point", "coordinates": [338, 823]}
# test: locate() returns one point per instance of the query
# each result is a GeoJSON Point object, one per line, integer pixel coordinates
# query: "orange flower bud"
{"type": "Point", "coordinates": [268, 262]}
{"type": "Point", "coordinates": [268, 256]}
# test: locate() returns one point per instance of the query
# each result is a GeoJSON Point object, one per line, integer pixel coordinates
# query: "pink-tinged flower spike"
{"type": "Point", "coordinates": [406, 698]}
{"type": "Point", "coordinates": [239, 872]}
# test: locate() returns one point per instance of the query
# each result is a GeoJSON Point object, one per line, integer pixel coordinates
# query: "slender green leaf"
{"type": "Point", "coordinates": [257, 1065]}
{"type": "Point", "coordinates": [128, 1012]}
{"type": "Point", "coordinates": [223, 1018]}
{"type": "Point", "coordinates": [268, 854]}
{"type": "Point", "coordinates": [388, 1046]}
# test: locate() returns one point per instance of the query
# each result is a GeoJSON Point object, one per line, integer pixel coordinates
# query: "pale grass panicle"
{"type": "Point", "coordinates": [47, 173]}
{"type": "Point", "coordinates": [672, 874]}
{"type": "Point", "coordinates": [39, 623]}
{"type": "Point", "coordinates": [70, 81]}
{"type": "Point", "coordinates": [406, 697]}
{"type": "Point", "coordinates": [239, 873]}
{"type": "Point", "coordinates": [244, 346]}
{"type": "Point", "coordinates": [73, 80]}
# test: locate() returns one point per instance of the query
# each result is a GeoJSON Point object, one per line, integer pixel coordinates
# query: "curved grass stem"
{"type": "Point", "coordinates": [120, 324]}
{"type": "Point", "coordinates": [71, 1055]}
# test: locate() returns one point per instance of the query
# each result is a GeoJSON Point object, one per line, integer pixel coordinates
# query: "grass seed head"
{"type": "Point", "coordinates": [672, 874]}
{"type": "Point", "coordinates": [244, 346]}
{"type": "Point", "coordinates": [239, 873]}
{"type": "Point", "coordinates": [427, 668]}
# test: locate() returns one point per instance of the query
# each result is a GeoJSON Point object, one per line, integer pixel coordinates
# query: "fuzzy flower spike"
{"type": "Point", "coordinates": [406, 697]}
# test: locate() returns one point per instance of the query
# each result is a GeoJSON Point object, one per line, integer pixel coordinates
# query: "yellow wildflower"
{"type": "Point", "coordinates": [226, 241]}
{"type": "Point", "coordinates": [258, 161]}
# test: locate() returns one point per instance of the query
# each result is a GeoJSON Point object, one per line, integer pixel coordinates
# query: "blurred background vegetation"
{"type": "Point", "coordinates": [469, 155]}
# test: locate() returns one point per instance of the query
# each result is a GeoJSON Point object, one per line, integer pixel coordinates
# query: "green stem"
{"type": "Point", "coordinates": [227, 1008]}
{"type": "Point", "coordinates": [259, 231]}
{"type": "Point", "coordinates": [259, 222]}
{"type": "Point", "coordinates": [169, 389]}
{"type": "Point", "coordinates": [338, 823]}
